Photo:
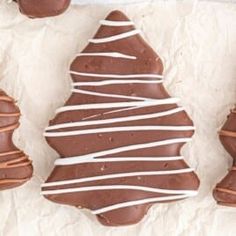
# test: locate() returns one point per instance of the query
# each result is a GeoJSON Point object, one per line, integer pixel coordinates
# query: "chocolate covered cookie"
{"type": "Point", "coordinates": [120, 134]}
{"type": "Point", "coordinates": [42, 8]}
{"type": "Point", "coordinates": [15, 167]}
{"type": "Point", "coordinates": [225, 191]}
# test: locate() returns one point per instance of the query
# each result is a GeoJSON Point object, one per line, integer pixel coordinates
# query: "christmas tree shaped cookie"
{"type": "Point", "coordinates": [225, 191]}
{"type": "Point", "coordinates": [15, 167]}
{"type": "Point", "coordinates": [119, 135]}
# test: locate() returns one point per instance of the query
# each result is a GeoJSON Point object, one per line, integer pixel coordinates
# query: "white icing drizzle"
{"type": "Point", "coordinates": [116, 23]}
{"type": "Point", "coordinates": [116, 120]}
{"type": "Point", "coordinates": [118, 187]}
{"type": "Point", "coordinates": [118, 110]}
{"type": "Point", "coordinates": [75, 159]}
{"type": "Point", "coordinates": [150, 102]}
{"type": "Point", "coordinates": [118, 175]}
{"type": "Point", "coordinates": [107, 54]}
{"type": "Point", "coordinates": [140, 202]}
{"type": "Point", "coordinates": [127, 159]}
{"type": "Point", "coordinates": [116, 82]}
{"type": "Point", "coordinates": [117, 76]}
{"type": "Point", "coordinates": [115, 37]}
{"type": "Point", "coordinates": [118, 129]}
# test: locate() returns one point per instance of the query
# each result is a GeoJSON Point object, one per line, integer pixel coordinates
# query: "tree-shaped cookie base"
{"type": "Point", "coordinates": [15, 167]}
{"type": "Point", "coordinates": [119, 135]}
{"type": "Point", "coordinates": [225, 191]}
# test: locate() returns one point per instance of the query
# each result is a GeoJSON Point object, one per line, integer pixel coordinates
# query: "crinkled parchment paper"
{"type": "Point", "coordinates": [197, 42]}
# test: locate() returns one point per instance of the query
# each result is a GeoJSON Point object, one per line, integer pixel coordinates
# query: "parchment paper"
{"type": "Point", "coordinates": [197, 42]}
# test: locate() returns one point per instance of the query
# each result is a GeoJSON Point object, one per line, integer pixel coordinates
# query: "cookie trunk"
{"type": "Point", "coordinates": [43, 8]}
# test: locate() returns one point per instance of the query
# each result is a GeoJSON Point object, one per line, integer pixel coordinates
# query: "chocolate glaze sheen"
{"type": "Point", "coordinates": [42, 8]}
{"type": "Point", "coordinates": [15, 167]}
{"type": "Point", "coordinates": [225, 191]}
{"type": "Point", "coordinates": [119, 135]}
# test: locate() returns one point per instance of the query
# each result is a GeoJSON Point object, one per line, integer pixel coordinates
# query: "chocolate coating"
{"type": "Point", "coordinates": [15, 167]}
{"type": "Point", "coordinates": [132, 56]}
{"type": "Point", "coordinates": [225, 191]}
{"type": "Point", "coordinates": [43, 8]}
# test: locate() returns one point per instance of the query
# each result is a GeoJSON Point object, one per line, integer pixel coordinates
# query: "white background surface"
{"type": "Point", "coordinates": [197, 42]}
